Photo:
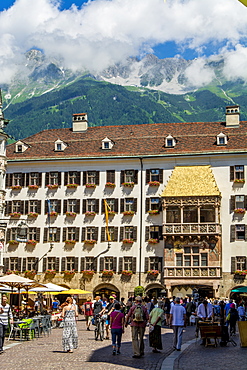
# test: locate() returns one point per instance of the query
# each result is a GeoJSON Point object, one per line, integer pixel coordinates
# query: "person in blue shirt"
{"type": "Point", "coordinates": [55, 304]}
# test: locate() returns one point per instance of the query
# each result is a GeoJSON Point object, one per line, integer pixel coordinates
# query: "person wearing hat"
{"type": "Point", "coordinates": [108, 309]}
{"type": "Point", "coordinates": [178, 321]}
{"type": "Point", "coordinates": [138, 317]}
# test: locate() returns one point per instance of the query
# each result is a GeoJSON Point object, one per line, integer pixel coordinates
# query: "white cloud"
{"type": "Point", "coordinates": [235, 64]}
{"type": "Point", "coordinates": [198, 74]}
{"type": "Point", "coordinates": [104, 32]}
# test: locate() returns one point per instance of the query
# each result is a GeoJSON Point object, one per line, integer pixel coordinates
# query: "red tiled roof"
{"type": "Point", "coordinates": [134, 140]}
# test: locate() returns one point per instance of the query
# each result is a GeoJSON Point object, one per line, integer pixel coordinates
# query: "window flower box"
{"type": "Point", "coordinates": [32, 242]}
{"type": "Point", "coordinates": [154, 183]}
{"type": "Point", "coordinates": [52, 186]}
{"type": "Point", "coordinates": [30, 274]}
{"type": "Point", "coordinates": [9, 272]}
{"type": "Point", "coordinates": [153, 241]}
{"type": "Point", "coordinates": [69, 273]}
{"type": "Point", "coordinates": [110, 185]}
{"type": "Point", "coordinates": [128, 241]}
{"type": "Point", "coordinates": [13, 242]}
{"type": "Point", "coordinates": [70, 241]}
{"type": "Point", "coordinates": [50, 272]}
{"type": "Point", "coordinates": [16, 187]}
{"type": "Point", "coordinates": [107, 273]}
{"type": "Point", "coordinates": [53, 214]}
{"type": "Point", "coordinates": [127, 272]}
{"type": "Point", "coordinates": [153, 211]}
{"type": "Point", "coordinates": [239, 181]}
{"type": "Point", "coordinates": [128, 184]}
{"type": "Point", "coordinates": [72, 186]}
{"type": "Point", "coordinates": [112, 213]}
{"type": "Point", "coordinates": [33, 187]}
{"type": "Point", "coordinates": [92, 186]}
{"type": "Point", "coordinates": [153, 273]}
{"type": "Point", "coordinates": [88, 273]}
{"type": "Point", "coordinates": [239, 210]}
{"type": "Point", "coordinates": [15, 214]}
{"type": "Point", "coordinates": [241, 272]}
{"type": "Point", "coordinates": [32, 214]}
{"type": "Point", "coordinates": [89, 213]}
{"type": "Point", "coordinates": [90, 241]}
{"type": "Point", "coordinates": [128, 213]}
{"type": "Point", "coordinates": [70, 214]}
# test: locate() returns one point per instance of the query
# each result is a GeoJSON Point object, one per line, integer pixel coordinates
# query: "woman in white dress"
{"type": "Point", "coordinates": [70, 337]}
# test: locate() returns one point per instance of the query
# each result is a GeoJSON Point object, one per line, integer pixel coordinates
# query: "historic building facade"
{"type": "Point", "coordinates": [176, 198]}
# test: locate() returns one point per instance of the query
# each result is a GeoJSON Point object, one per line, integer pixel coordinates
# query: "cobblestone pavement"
{"type": "Point", "coordinates": [197, 357]}
{"type": "Point", "coordinates": [46, 352]}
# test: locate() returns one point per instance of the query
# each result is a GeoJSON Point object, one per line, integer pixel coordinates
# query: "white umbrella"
{"type": "Point", "coordinates": [49, 287]}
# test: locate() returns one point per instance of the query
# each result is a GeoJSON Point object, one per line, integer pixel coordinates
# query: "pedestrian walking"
{"type": "Point", "coordinates": [138, 317]}
{"type": "Point", "coordinates": [232, 318]}
{"type": "Point", "coordinates": [88, 311]}
{"type": "Point", "coordinates": [117, 328]}
{"type": "Point", "coordinates": [178, 321]}
{"type": "Point", "coordinates": [70, 337]}
{"type": "Point", "coordinates": [155, 321]}
{"type": "Point", "coordinates": [241, 312]}
{"type": "Point", "coordinates": [5, 316]}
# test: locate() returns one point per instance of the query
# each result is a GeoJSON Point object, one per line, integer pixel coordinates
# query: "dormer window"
{"type": "Point", "coordinates": [221, 139]}
{"type": "Point", "coordinates": [60, 146]}
{"type": "Point", "coordinates": [107, 143]}
{"type": "Point", "coordinates": [20, 147]}
{"type": "Point", "coordinates": [170, 142]}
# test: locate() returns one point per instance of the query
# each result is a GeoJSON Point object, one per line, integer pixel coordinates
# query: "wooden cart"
{"type": "Point", "coordinates": [209, 331]}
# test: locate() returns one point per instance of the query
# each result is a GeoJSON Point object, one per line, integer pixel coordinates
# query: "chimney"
{"type": "Point", "coordinates": [79, 122]}
{"type": "Point", "coordinates": [232, 116]}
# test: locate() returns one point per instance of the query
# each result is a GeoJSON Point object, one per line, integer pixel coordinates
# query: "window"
{"type": "Point", "coordinates": [191, 257]}
{"type": "Point", "coordinates": [179, 259]}
{"type": "Point", "coordinates": [237, 173]}
{"type": "Point", "coordinates": [127, 263]}
{"type": "Point", "coordinates": [107, 143]}
{"type": "Point", "coordinates": [89, 263]}
{"type": "Point", "coordinates": [238, 202]}
{"type": "Point", "coordinates": [128, 205]}
{"type": "Point", "coordinates": [16, 206]}
{"type": "Point", "coordinates": [108, 263]}
{"type": "Point", "coordinates": [113, 232]}
{"type": "Point", "coordinates": [34, 178]}
{"type": "Point", "coordinates": [14, 264]}
{"type": "Point", "coordinates": [34, 206]}
{"type": "Point", "coordinates": [221, 139]}
{"type": "Point", "coordinates": [91, 205]}
{"type": "Point", "coordinates": [33, 233]}
{"type": "Point", "coordinates": [154, 263]}
{"type": "Point", "coordinates": [154, 175]}
{"type": "Point", "coordinates": [128, 232]}
{"type": "Point", "coordinates": [128, 176]}
{"type": "Point", "coordinates": [55, 205]}
{"type": "Point", "coordinates": [31, 263]}
{"type": "Point", "coordinates": [11, 234]}
{"type": "Point", "coordinates": [59, 146]}
{"type": "Point", "coordinates": [173, 215]}
{"type": "Point", "coordinates": [204, 259]}
{"type": "Point", "coordinates": [241, 263]}
{"type": "Point", "coordinates": [17, 179]}
{"type": "Point", "coordinates": [196, 261]}
{"type": "Point", "coordinates": [240, 232]}
{"type": "Point", "coordinates": [53, 178]}
{"type": "Point", "coordinates": [72, 177]}
{"type": "Point", "coordinates": [71, 233]}
{"type": "Point", "coordinates": [51, 263]}
{"type": "Point", "coordinates": [70, 263]}
{"type": "Point", "coordinates": [207, 214]}
{"type": "Point", "coordinates": [91, 177]}
{"type": "Point", "coordinates": [71, 205]}
{"type": "Point", "coordinates": [170, 142]}
{"type": "Point", "coordinates": [19, 148]}
{"type": "Point", "coordinates": [154, 203]}
{"type": "Point", "coordinates": [90, 233]}
{"type": "Point", "coordinates": [110, 176]}
{"type": "Point", "coordinates": [155, 232]}
{"type": "Point", "coordinates": [190, 214]}
{"type": "Point", "coordinates": [51, 234]}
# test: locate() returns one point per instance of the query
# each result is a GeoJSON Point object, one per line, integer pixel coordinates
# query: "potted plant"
{"type": "Point", "coordinates": [128, 213]}
{"type": "Point", "coordinates": [70, 214]}
{"type": "Point", "coordinates": [52, 186]}
{"type": "Point", "coordinates": [32, 214]}
{"type": "Point", "coordinates": [111, 213]}
{"type": "Point", "coordinates": [153, 241]}
{"type": "Point", "coordinates": [239, 210]}
{"type": "Point", "coordinates": [153, 211]}
{"type": "Point", "coordinates": [154, 183]}
{"type": "Point", "coordinates": [70, 241]}
{"type": "Point", "coordinates": [90, 241]}
{"type": "Point", "coordinates": [69, 273]}
{"type": "Point", "coordinates": [241, 272]}
{"type": "Point", "coordinates": [89, 185]}
{"type": "Point", "coordinates": [16, 187]}
{"type": "Point", "coordinates": [139, 291]}
{"type": "Point", "coordinates": [108, 273]}
{"type": "Point", "coordinates": [153, 273]}
{"type": "Point", "coordinates": [127, 272]}
{"type": "Point", "coordinates": [33, 187]}
{"type": "Point", "coordinates": [13, 242]}
{"type": "Point", "coordinates": [30, 274]}
{"type": "Point", "coordinates": [88, 273]}
{"type": "Point", "coordinates": [50, 272]}
{"type": "Point", "coordinates": [9, 272]}
{"type": "Point", "coordinates": [239, 181]}
{"type": "Point", "coordinates": [72, 186]}
{"type": "Point", "coordinates": [110, 185]}
{"type": "Point", "coordinates": [53, 213]}
{"type": "Point", "coordinates": [90, 213]}
{"type": "Point", "coordinates": [32, 242]}
{"type": "Point", "coordinates": [128, 241]}
{"type": "Point", "coordinates": [128, 184]}
{"type": "Point", "coordinates": [15, 214]}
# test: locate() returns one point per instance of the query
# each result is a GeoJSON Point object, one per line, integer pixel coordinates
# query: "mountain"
{"type": "Point", "coordinates": [44, 95]}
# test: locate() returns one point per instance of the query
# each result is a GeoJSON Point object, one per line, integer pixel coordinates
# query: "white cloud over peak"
{"type": "Point", "coordinates": [105, 32]}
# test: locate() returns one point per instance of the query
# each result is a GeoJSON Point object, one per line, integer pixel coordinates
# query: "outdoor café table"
{"type": "Point", "coordinates": [54, 319]}
{"type": "Point", "coordinates": [15, 328]}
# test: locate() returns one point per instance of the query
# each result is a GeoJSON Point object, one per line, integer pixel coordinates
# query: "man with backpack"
{"type": "Point", "coordinates": [138, 317]}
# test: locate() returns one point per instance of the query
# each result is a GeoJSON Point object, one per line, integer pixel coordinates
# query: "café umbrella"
{"type": "Point", "coordinates": [75, 291]}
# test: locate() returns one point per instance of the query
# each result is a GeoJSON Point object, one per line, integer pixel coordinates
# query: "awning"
{"type": "Point", "coordinates": [242, 289]}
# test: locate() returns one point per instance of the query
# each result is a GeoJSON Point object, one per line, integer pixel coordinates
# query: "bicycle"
{"type": "Point", "coordinates": [99, 329]}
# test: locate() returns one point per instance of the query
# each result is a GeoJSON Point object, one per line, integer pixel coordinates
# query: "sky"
{"type": "Point", "coordinates": [94, 34]}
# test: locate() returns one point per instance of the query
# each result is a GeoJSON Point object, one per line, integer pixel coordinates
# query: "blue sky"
{"type": "Point", "coordinates": [99, 33]}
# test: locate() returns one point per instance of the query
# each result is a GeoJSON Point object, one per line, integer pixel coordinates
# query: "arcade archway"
{"type": "Point", "coordinates": [154, 290]}
{"type": "Point", "coordinates": [106, 290]}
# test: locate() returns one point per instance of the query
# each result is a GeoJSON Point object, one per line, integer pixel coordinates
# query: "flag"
{"type": "Point", "coordinates": [243, 2]}
{"type": "Point", "coordinates": [107, 208]}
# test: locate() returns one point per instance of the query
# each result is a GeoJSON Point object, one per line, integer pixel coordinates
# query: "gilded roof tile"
{"type": "Point", "coordinates": [191, 181]}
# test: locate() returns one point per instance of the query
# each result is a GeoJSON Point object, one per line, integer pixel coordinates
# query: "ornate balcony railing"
{"type": "Point", "coordinates": [203, 228]}
{"type": "Point", "coordinates": [185, 272]}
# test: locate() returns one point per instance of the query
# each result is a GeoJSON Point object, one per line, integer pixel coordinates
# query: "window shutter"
{"type": "Point", "coordinates": [146, 233]}
{"type": "Point", "coordinates": [147, 204]}
{"type": "Point", "coordinates": [136, 176]}
{"type": "Point", "coordinates": [120, 264]}
{"type": "Point", "coordinates": [39, 207]}
{"type": "Point", "coordinates": [135, 204]}
{"type": "Point", "coordinates": [134, 264]}
{"type": "Point", "coordinates": [110, 176]}
{"type": "Point", "coordinates": [232, 233]}
{"type": "Point", "coordinates": [97, 178]}
{"type": "Point", "coordinates": [146, 264]}
{"type": "Point", "coordinates": [245, 259]}
{"type": "Point", "coordinates": [19, 264]}
{"type": "Point", "coordinates": [97, 205]}
{"type": "Point", "coordinates": [63, 263]}
{"type": "Point", "coordinates": [103, 234]}
{"type": "Point", "coordinates": [47, 178]}
{"type": "Point", "coordinates": [23, 179]}
{"type": "Point", "coordinates": [83, 233]}
{"type": "Point", "coordinates": [65, 203]}
{"type": "Point", "coordinates": [27, 179]}
{"type": "Point", "coordinates": [64, 234]}
{"type": "Point", "coordinates": [101, 264]}
{"type": "Point", "coordinates": [66, 178]}
{"type": "Point", "coordinates": [94, 264]}
{"type": "Point", "coordinates": [44, 264]}
{"type": "Point", "coordinates": [135, 233]}
{"type": "Point", "coordinates": [59, 178]}
{"type": "Point", "coordinates": [46, 207]}
{"type": "Point", "coordinates": [147, 176]}
{"type": "Point", "coordinates": [78, 178]}
{"type": "Point", "coordinates": [161, 176]}
{"type": "Point", "coordinates": [233, 264]}
{"type": "Point", "coordinates": [8, 236]}
{"type": "Point", "coordinates": [9, 180]}
{"type": "Point", "coordinates": [77, 231]}
{"type": "Point", "coordinates": [245, 202]}
{"type": "Point", "coordinates": [57, 236]}
{"type": "Point", "coordinates": [8, 208]}
{"type": "Point", "coordinates": [40, 179]}
{"type": "Point", "coordinates": [114, 264]}
{"type": "Point", "coordinates": [115, 234]}
{"type": "Point", "coordinates": [116, 205]}
{"type": "Point", "coordinates": [5, 264]}
{"type": "Point", "coordinates": [77, 206]}
{"type": "Point", "coordinates": [38, 234]}
{"type": "Point", "coordinates": [82, 263]}
{"type": "Point", "coordinates": [102, 206]}
{"type": "Point", "coordinates": [22, 206]}
{"type": "Point", "coordinates": [231, 173]}
{"type": "Point", "coordinates": [84, 206]}
{"type": "Point", "coordinates": [245, 231]}
{"type": "Point", "coordinates": [24, 264]}
{"type": "Point", "coordinates": [45, 236]}
{"type": "Point", "coordinates": [96, 232]}
{"type": "Point", "coordinates": [84, 178]}
{"type": "Point", "coordinates": [26, 207]}
{"type": "Point", "coordinates": [160, 264]}
{"type": "Point", "coordinates": [121, 236]}
{"type": "Point", "coordinates": [57, 264]}
{"type": "Point", "coordinates": [76, 263]}
{"type": "Point", "coordinates": [122, 200]}
{"type": "Point", "coordinates": [59, 206]}
{"type": "Point", "coordinates": [160, 232]}
{"type": "Point", "coordinates": [122, 177]}
{"type": "Point", "coordinates": [232, 203]}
